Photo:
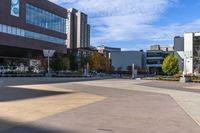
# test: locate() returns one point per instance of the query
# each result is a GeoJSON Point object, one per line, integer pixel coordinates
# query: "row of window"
{"type": "Point", "coordinates": [154, 61]}
{"type": "Point", "coordinates": [45, 19]}
{"type": "Point", "coordinates": [29, 34]}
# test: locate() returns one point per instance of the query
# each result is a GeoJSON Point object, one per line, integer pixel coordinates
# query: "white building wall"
{"type": "Point", "coordinates": [188, 49]}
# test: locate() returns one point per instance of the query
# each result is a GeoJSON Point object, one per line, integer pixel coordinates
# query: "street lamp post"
{"type": "Point", "coordinates": [48, 54]}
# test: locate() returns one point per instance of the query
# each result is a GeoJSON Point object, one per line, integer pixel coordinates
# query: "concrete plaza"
{"type": "Point", "coordinates": [58, 105]}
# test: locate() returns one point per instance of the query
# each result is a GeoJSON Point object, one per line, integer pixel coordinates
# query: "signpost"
{"type": "Point", "coordinates": [48, 54]}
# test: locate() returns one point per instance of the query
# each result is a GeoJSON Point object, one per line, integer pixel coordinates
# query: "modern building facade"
{"type": "Point", "coordinates": [107, 50]}
{"type": "Point", "coordinates": [155, 57]}
{"type": "Point", "coordinates": [78, 30]}
{"type": "Point", "coordinates": [121, 60]}
{"type": "Point", "coordinates": [189, 52]}
{"type": "Point", "coordinates": [29, 26]}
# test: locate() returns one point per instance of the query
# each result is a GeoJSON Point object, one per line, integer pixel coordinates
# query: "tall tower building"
{"type": "Point", "coordinates": [78, 30]}
{"type": "Point", "coordinates": [88, 35]}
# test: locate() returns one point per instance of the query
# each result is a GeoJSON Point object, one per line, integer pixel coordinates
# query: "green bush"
{"type": "Point", "coordinates": [168, 78]}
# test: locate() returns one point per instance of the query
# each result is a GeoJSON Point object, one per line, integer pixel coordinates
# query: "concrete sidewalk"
{"type": "Point", "coordinates": [119, 106]}
{"type": "Point", "coordinates": [189, 101]}
{"type": "Point", "coordinates": [123, 111]}
{"type": "Point", "coordinates": [22, 105]}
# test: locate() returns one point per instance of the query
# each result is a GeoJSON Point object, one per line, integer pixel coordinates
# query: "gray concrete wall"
{"type": "Point", "coordinates": [127, 58]}
{"type": "Point", "coordinates": [179, 43]}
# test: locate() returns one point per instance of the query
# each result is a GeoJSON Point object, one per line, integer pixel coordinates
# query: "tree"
{"type": "Point", "coordinates": [43, 62]}
{"type": "Point", "coordinates": [59, 63]}
{"type": "Point", "coordinates": [170, 65]}
{"type": "Point", "coordinates": [73, 63]}
{"type": "Point", "coordinates": [129, 69]}
{"type": "Point", "coordinates": [99, 62]}
{"type": "Point", "coordinates": [66, 63]}
{"type": "Point", "coordinates": [83, 61]}
{"type": "Point", "coordinates": [94, 61]}
{"type": "Point", "coordinates": [104, 64]}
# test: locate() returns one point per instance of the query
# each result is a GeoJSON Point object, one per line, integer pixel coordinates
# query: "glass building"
{"type": "Point", "coordinates": [27, 27]}
{"type": "Point", "coordinates": [29, 34]}
{"type": "Point", "coordinates": [45, 19]}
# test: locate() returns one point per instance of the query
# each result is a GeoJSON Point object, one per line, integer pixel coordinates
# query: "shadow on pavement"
{"type": "Point", "coordinates": [13, 94]}
{"type": "Point", "coordinates": [42, 80]}
{"type": "Point", "coordinates": [12, 127]}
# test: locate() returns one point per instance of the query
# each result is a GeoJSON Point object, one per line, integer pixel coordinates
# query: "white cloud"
{"type": "Point", "coordinates": [128, 19]}
{"type": "Point", "coordinates": [169, 31]}
{"type": "Point", "coordinates": [117, 7]}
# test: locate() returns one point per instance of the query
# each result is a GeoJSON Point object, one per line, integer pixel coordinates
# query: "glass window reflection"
{"type": "Point", "coordinates": [29, 34]}
{"type": "Point", "coordinates": [45, 19]}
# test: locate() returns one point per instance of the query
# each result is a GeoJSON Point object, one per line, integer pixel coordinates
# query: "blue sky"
{"type": "Point", "coordinates": [136, 24]}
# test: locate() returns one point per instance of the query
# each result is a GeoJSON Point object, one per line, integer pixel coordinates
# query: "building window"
{"type": "Point", "coordinates": [45, 19]}
{"type": "Point", "coordinates": [4, 29]}
{"type": "Point", "coordinates": [9, 30]}
{"type": "Point", "coordinates": [29, 34]}
{"type": "Point", "coordinates": [14, 30]}
{"type": "Point", "coordinates": [154, 54]}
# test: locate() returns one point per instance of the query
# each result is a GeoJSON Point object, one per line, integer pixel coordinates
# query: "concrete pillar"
{"type": "Point", "coordinates": [188, 49]}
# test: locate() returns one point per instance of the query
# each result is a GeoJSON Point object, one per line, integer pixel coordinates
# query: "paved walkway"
{"type": "Point", "coordinates": [188, 99]}
{"type": "Point", "coordinates": [118, 106]}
